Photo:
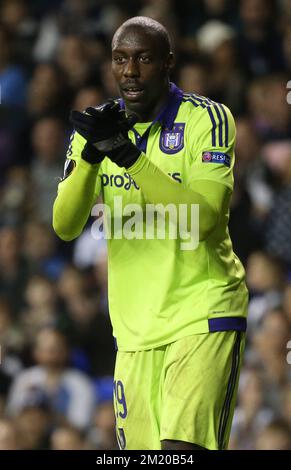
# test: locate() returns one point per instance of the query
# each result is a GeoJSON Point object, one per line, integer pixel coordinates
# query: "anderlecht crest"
{"type": "Point", "coordinates": [172, 140]}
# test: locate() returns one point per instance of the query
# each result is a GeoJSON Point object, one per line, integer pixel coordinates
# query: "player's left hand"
{"type": "Point", "coordinates": [102, 123]}
{"type": "Point", "coordinates": [106, 127]}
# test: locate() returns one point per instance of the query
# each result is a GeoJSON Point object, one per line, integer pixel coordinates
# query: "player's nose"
{"type": "Point", "coordinates": [131, 69]}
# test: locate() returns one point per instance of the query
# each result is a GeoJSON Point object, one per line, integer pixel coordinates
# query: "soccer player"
{"type": "Point", "coordinates": [178, 315]}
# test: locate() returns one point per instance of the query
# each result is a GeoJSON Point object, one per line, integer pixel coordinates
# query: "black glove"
{"type": "Point", "coordinates": [85, 125]}
{"type": "Point", "coordinates": [91, 154]}
{"type": "Point", "coordinates": [106, 129]}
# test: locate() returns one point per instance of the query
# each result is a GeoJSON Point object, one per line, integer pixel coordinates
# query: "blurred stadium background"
{"type": "Point", "coordinates": [57, 352]}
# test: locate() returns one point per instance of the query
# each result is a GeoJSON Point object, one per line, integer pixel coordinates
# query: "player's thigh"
{"type": "Point", "coordinates": [136, 399]}
{"type": "Point", "coordinates": [200, 386]}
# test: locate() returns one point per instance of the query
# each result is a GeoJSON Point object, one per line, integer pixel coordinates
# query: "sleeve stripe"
{"type": "Point", "coordinates": [220, 115]}
{"type": "Point", "coordinates": [226, 124]}
{"type": "Point", "coordinates": [214, 126]}
{"type": "Point", "coordinates": [206, 103]}
{"type": "Point", "coordinates": [220, 125]}
{"type": "Point", "coordinates": [191, 101]}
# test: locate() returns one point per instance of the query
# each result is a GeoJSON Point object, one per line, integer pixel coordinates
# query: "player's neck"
{"type": "Point", "coordinates": [148, 115]}
{"type": "Point", "coordinates": [154, 111]}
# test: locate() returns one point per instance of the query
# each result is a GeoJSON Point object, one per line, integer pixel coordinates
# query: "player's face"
{"type": "Point", "coordinates": [140, 71]}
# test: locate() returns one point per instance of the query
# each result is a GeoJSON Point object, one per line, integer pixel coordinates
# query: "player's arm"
{"type": "Point", "coordinates": [78, 190]}
{"type": "Point", "coordinates": [210, 183]}
{"type": "Point", "coordinates": [159, 187]}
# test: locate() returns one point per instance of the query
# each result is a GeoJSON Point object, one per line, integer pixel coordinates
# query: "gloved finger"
{"type": "Point", "coordinates": [92, 135]}
{"type": "Point", "coordinates": [84, 125]}
{"type": "Point", "coordinates": [109, 105]}
{"type": "Point", "coordinates": [122, 115]}
{"type": "Point", "coordinates": [128, 122]}
{"type": "Point", "coordinates": [81, 129]}
{"type": "Point", "coordinates": [132, 119]}
{"type": "Point", "coordinates": [76, 116]}
{"type": "Point", "coordinates": [93, 112]}
{"type": "Point", "coordinates": [80, 125]}
{"type": "Point", "coordinates": [102, 110]}
{"type": "Point", "coordinates": [100, 119]}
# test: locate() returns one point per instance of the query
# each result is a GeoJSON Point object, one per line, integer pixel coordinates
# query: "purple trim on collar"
{"type": "Point", "coordinates": [166, 116]}
{"type": "Point", "coordinates": [141, 140]}
{"type": "Point", "coordinates": [227, 324]}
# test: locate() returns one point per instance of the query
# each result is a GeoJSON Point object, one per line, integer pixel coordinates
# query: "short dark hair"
{"type": "Point", "coordinates": [150, 26]}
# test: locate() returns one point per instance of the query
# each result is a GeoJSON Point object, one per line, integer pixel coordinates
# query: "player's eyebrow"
{"type": "Point", "coordinates": [125, 49]}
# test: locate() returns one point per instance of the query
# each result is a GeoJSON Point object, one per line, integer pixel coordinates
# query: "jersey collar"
{"type": "Point", "coordinates": [169, 112]}
{"type": "Point", "coordinates": [166, 116]}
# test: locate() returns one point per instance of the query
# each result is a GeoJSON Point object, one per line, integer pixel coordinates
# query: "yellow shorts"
{"type": "Point", "coordinates": [184, 391]}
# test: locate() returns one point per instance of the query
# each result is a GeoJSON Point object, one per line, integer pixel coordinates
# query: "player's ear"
{"type": "Point", "coordinates": [170, 62]}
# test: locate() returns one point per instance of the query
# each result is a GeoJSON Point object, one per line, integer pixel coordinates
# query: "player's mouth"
{"type": "Point", "coordinates": [132, 93]}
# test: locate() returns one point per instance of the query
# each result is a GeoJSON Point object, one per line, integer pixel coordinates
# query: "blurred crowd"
{"type": "Point", "coordinates": [57, 351]}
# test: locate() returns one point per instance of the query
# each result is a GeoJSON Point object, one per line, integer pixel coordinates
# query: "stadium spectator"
{"type": "Point", "coordinates": [47, 93]}
{"type": "Point", "coordinates": [12, 76]}
{"type": "Point", "coordinates": [88, 95]}
{"type": "Point", "coordinates": [265, 279]}
{"type": "Point", "coordinates": [276, 436]}
{"type": "Point", "coordinates": [259, 43]}
{"type": "Point", "coordinates": [13, 269]}
{"type": "Point", "coordinates": [8, 435]}
{"type": "Point", "coordinates": [69, 392]}
{"type": "Point", "coordinates": [48, 136]}
{"type": "Point", "coordinates": [67, 438]}
{"type": "Point", "coordinates": [251, 414]}
{"type": "Point", "coordinates": [269, 353]}
{"type": "Point", "coordinates": [33, 420]}
{"type": "Point", "coordinates": [73, 56]}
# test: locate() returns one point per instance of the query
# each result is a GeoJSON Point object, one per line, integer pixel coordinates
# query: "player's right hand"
{"type": "Point", "coordinates": [102, 123]}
